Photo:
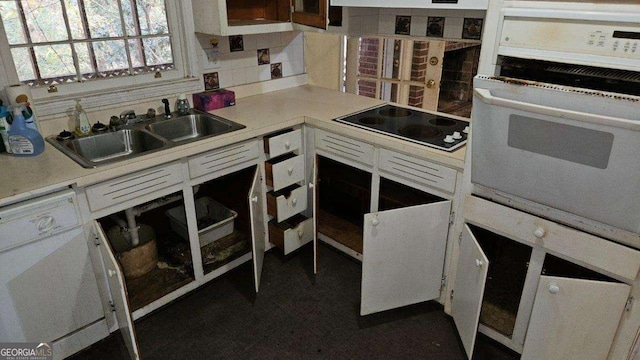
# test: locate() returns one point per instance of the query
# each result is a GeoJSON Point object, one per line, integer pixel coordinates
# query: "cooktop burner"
{"type": "Point", "coordinates": [424, 128]}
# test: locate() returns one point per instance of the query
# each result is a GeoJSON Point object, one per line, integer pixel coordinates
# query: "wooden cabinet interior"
{"type": "Point", "coordinates": [236, 244]}
{"type": "Point", "coordinates": [509, 262]}
{"type": "Point", "coordinates": [344, 196]}
{"type": "Point", "coordinates": [174, 267]}
{"type": "Point", "coordinates": [242, 12]}
{"type": "Point", "coordinates": [394, 195]}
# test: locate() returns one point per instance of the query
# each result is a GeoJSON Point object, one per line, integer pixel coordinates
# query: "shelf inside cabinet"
{"type": "Point", "coordinates": [340, 230]}
{"type": "Point", "coordinates": [251, 12]}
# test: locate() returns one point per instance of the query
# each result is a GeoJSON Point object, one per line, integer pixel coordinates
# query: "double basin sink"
{"type": "Point", "coordinates": [142, 136]}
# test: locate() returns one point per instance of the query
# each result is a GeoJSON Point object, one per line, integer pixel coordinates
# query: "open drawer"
{"type": "Point", "coordinates": [291, 234]}
{"type": "Point", "coordinates": [287, 202]}
{"type": "Point", "coordinates": [284, 171]}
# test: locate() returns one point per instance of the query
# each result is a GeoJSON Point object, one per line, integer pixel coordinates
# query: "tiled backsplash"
{"type": "Point", "coordinates": [241, 67]}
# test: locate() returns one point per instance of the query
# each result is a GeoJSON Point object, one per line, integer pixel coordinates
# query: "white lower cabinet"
{"type": "Point", "coordinates": [542, 289]}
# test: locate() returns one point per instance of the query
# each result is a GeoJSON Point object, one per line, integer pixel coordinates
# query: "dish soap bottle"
{"type": "Point", "coordinates": [24, 141]}
{"type": "Point", "coordinates": [182, 104]}
{"type": "Point", "coordinates": [82, 121]}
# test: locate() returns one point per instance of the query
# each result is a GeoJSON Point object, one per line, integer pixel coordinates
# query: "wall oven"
{"type": "Point", "coordinates": [556, 126]}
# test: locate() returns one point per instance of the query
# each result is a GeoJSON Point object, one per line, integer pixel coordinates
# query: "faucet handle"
{"type": "Point", "coordinates": [128, 114]}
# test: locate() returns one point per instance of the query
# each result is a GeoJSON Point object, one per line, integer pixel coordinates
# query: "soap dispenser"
{"type": "Point", "coordinates": [82, 121]}
{"type": "Point", "coordinates": [182, 105]}
{"type": "Point", "coordinates": [24, 141]}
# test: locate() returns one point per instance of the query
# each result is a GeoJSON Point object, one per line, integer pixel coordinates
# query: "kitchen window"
{"type": "Point", "coordinates": [68, 44]}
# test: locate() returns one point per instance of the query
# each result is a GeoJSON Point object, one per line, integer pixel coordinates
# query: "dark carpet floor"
{"type": "Point", "coordinates": [294, 316]}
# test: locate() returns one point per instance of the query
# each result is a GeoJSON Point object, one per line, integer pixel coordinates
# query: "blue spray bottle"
{"type": "Point", "coordinates": [24, 141]}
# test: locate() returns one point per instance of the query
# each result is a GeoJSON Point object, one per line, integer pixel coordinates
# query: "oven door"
{"type": "Point", "coordinates": [571, 149]}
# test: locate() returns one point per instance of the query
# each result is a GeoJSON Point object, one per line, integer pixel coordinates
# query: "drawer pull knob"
{"type": "Point", "coordinates": [254, 199]}
{"type": "Point", "coordinates": [375, 222]}
{"type": "Point", "coordinates": [311, 185]}
{"type": "Point", "coordinates": [294, 201]}
{"type": "Point", "coordinates": [287, 144]}
{"type": "Point", "coordinates": [290, 170]}
{"type": "Point", "coordinates": [45, 223]}
{"type": "Point", "coordinates": [479, 263]}
{"type": "Point", "coordinates": [539, 232]}
{"type": "Point", "coordinates": [554, 289]}
{"type": "Point", "coordinates": [111, 272]}
{"type": "Point", "coordinates": [300, 233]}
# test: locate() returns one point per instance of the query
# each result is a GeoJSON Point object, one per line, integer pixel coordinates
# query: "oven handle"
{"type": "Point", "coordinates": [485, 96]}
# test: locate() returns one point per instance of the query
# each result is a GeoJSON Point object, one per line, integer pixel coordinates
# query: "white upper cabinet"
{"type": "Point", "coordinates": [242, 17]}
{"type": "Point", "coordinates": [418, 4]}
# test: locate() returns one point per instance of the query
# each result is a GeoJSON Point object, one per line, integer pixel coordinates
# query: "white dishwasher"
{"type": "Point", "coordinates": [48, 289]}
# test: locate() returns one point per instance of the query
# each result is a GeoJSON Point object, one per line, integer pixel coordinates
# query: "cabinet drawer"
{"type": "Point", "coordinates": [291, 234]}
{"type": "Point", "coordinates": [128, 187]}
{"type": "Point", "coordinates": [224, 158]}
{"type": "Point", "coordinates": [287, 202]}
{"type": "Point", "coordinates": [284, 171]}
{"type": "Point", "coordinates": [584, 249]}
{"type": "Point", "coordinates": [340, 145]}
{"type": "Point", "coordinates": [420, 170]}
{"type": "Point", "coordinates": [282, 143]}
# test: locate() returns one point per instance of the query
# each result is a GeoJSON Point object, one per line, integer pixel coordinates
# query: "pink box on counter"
{"type": "Point", "coordinates": [212, 100]}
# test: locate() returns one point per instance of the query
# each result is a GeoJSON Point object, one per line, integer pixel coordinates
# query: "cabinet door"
{"type": "Point", "coordinates": [315, 189]}
{"type": "Point", "coordinates": [403, 256]}
{"type": "Point", "coordinates": [258, 228]}
{"type": "Point", "coordinates": [115, 278]}
{"type": "Point", "coordinates": [310, 12]}
{"type": "Point", "coordinates": [471, 277]}
{"type": "Point", "coordinates": [574, 318]}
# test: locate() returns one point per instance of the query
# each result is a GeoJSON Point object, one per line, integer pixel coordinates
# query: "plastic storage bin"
{"type": "Point", "coordinates": [214, 220]}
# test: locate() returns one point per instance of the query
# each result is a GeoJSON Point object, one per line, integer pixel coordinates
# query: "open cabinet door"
{"type": "Point", "coordinates": [258, 228]}
{"type": "Point", "coordinates": [118, 290]}
{"type": "Point", "coordinates": [310, 12]}
{"type": "Point", "coordinates": [314, 188]}
{"type": "Point", "coordinates": [574, 318]}
{"type": "Point", "coordinates": [403, 256]}
{"type": "Point", "coordinates": [471, 277]}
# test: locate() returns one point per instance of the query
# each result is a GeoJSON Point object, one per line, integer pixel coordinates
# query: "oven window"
{"type": "Point", "coordinates": [572, 143]}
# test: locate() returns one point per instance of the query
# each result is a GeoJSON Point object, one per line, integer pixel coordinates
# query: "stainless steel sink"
{"type": "Point", "coordinates": [141, 136]}
{"type": "Point", "coordinates": [192, 127]}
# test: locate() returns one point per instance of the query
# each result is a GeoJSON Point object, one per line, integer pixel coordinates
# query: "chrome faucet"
{"type": "Point", "coordinates": [167, 110]}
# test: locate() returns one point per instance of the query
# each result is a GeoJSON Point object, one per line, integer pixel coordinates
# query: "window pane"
{"type": "Point", "coordinates": [416, 96]}
{"type": "Point", "coordinates": [103, 18]}
{"type": "Point", "coordinates": [367, 88]}
{"type": "Point", "coordinates": [368, 59]}
{"type": "Point", "coordinates": [152, 17]}
{"type": "Point", "coordinates": [135, 51]}
{"type": "Point", "coordinates": [419, 61]}
{"type": "Point", "coordinates": [157, 50]}
{"type": "Point", "coordinates": [23, 63]}
{"type": "Point", "coordinates": [54, 60]}
{"type": "Point", "coordinates": [84, 59]}
{"type": "Point", "coordinates": [110, 55]}
{"type": "Point", "coordinates": [12, 23]}
{"type": "Point", "coordinates": [44, 20]}
{"type": "Point", "coordinates": [391, 58]}
{"type": "Point", "coordinates": [75, 21]}
{"type": "Point", "coordinates": [127, 13]}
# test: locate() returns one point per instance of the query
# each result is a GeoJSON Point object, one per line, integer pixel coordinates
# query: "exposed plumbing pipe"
{"type": "Point", "coordinates": [132, 227]}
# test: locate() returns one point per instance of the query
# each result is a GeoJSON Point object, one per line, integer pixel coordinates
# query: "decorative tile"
{"type": "Point", "coordinates": [211, 81]}
{"type": "Point", "coordinates": [403, 25]}
{"type": "Point", "coordinates": [263, 56]}
{"type": "Point", "coordinates": [236, 43]}
{"type": "Point", "coordinates": [435, 26]}
{"type": "Point", "coordinates": [472, 28]}
{"type": "Point", "coordinates": [276, 71]}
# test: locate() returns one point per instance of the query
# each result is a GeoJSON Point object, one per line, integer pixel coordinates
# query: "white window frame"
{"type": "Point", "coordinates": [185, 77]}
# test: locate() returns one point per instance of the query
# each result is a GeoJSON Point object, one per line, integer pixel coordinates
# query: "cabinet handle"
{"type": "Point", "coordinates": [311, 185]}
{"type": "Point", "coordinates": [375, 222]}
{"type": "Point", "coordinates": [46, 223]}
{"type": "Point", "coordinates": [294, 201]}
{"type": "Point", "coordinates": [111, 272]}
{"type": "Point", "coordinates": [300, 233]}
{"type": "Point", "coordinates": [539, 232]}
{"type": "Point", "coordinates": [554, 289]}
{"type": "Point", "coordinates": [479, 263]}
{"type": "Point", "coordinates": [287, 144]}
{"type": "Point", "coordinates": [254, 199]}
{"type": "Point", "coordinates": [290, 170]}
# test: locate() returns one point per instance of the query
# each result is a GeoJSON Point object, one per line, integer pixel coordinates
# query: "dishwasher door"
{"type": "Point", "coordinates": [48, 286]}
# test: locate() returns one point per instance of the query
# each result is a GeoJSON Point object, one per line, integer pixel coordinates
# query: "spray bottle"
{"type": "Point", "coordinates": [24, 141]}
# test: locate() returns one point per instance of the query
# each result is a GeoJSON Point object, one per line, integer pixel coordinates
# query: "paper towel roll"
{"type": "Point", "coordinates": [13, 91]}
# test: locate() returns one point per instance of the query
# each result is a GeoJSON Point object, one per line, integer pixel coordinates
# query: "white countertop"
{"type": "Point", "coordinates": [23, 177]}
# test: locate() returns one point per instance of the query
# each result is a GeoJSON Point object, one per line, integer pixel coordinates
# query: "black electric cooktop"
{"type": "Point", "coordinates": [420, 127]}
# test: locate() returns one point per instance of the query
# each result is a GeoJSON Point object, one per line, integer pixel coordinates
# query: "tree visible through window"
{"type": "Point", "coordinates": [61, 41]}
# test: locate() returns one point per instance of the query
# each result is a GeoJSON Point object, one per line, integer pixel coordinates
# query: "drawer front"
{"type": "Point", "coordinates": [292, 238]}
{"type": "Point", "coordinates": [283, 143]}
{"type": "Point", "coordinates": [221, 159]}
{"type": "Point", "coordinates": [128, 187]}
{"type": "Point", "coordinates": [285, 173]}
{"type": "Point", "coordinates": [340, 145]}
{"type": "Point", "coordinates": [282, 207]}
{"type": "Point", "coordinates": [419, 170]}
{"type": "Point", "coordinates": [582, 248]}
